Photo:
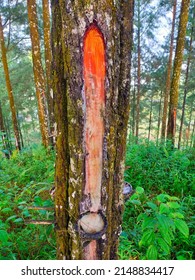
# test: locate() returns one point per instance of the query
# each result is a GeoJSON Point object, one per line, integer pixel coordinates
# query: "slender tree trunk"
{"type": "Point", "coordinates": [20, 131]}
{"type": "Point", "coordinates": [159, 117]}
{"type": "Point", "coordinates": [174, 92]}
{"type": "Point", "coordinates": [150, 118]}
{"type": "Point", "coordinates": [9, 88]}
{"type": "Point", "coordinates": [48, 58]}
{"type": "Point", "coordinates": [189, 126]}
{"type": "Point", "coordinates": [168, 79]}
{"type": "Point", "coordinates": [133, 111]}
{"type": "Point", "coordinates": [138, 74]}
{"type": "Point", "coordinates": [192, 144]}
{"type": "Point", "coordinates": [38, 70]}
{"type": "Point", "coordinates": [91, 48]}
{"type": "Point", "coordinates": [185, 88]}
{"type": "Point", "coordinates": [4, 135]}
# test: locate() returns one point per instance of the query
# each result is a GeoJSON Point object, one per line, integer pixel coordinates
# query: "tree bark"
{"type": "Point", "coordinates": [9, 88]}
{"type": "Point", "coordinates": [48, 59]}
{"type": "Point", "coordinates": [38, 70]}
{"type": "Point", "coordinates": [185, 87]}
{"type": "Point", "coordinates": [150, 118]}
{"type": "Point", "coordinates": [159, 117]}
{"type": "Point", "coordinates": [168, 79]}
{"type": "Point", "coordinates": [91, 48]}
{"type": "Point", "coordinates": [174, 92]}
{"type": "Point", "coordinates": [138, 74]}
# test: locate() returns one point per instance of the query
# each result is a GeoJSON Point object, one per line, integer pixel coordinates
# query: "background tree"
{"type": "Point", "coordinates": [9, 89]}
{"type": "Point", "coordinates": [168, 78]}
{"type": "Point", "coordinates": [177, 70]}
{"type": "Point", "coordinates": [38, 71]}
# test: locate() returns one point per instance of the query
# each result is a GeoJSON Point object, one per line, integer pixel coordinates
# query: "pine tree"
{"type": "Point", "coordinates": [91, 47]}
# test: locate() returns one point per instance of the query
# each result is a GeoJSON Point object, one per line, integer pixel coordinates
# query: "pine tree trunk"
{"type": "Point", "coordinates": [150, 118]}
{"type": "Point", "coordinates": [38, 71]}
{"type": "Point", "coordinates": [91, 48]}
{"type": "Point", "coordinates": [138, 75]}
{"type": "Point", "coordinates": [185, 87]}
{"type": "Point", "coordinates": [174, 92]}
{"type": "Point", "coordinates": [9, 88]}
{"type": "Point", "coordinates": [159, 117]}
{"type": "Point", "coordinates": [168, 79]}
{"type": "Point", "coordinates": [4, 135]}
{"type": "Point", "coordinates": [48, 59]}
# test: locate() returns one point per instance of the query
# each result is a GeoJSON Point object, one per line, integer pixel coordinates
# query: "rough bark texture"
{"type": "Point", "coordinates": [174, 92]}
{"type": "Point", "coordinates": [9, 88]}
{"type": "Point", "coordinates": [185, 87]}
{"type": "Point", "coordinates": [138, 74]}
{"type": "Point", "coordinates": [168, 79]}
{"type": "Point", "coordinates": [71, 20]}
{"type": "Point", "coordinates": [38, 70]}
{"type": "Point", "coordinates": [48, 59]}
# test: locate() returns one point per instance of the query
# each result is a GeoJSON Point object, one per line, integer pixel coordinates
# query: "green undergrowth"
{"type": "Point", "coordinates": [159, 221]}
{"type": "Point", "coordinates": [25, 180]}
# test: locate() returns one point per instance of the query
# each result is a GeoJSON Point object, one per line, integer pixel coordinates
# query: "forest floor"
{"type": "Point", "coordinates": [158, 221]}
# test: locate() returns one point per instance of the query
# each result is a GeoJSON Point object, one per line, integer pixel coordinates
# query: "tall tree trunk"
{"type": "Point", "coordinates": [133, 106]}
{"type": "Point", "coordinates": [9, 88]}
{"type": "Point", "coordinates": [48, 58]}
{"type": "Point", "coordinates": [168, 79]}
{"type": "Point", "coordinates": [185, 87]}
{"type": "Point", "coordinates": [159, 117]}
{"type": "Point", "coordinates": [174, 92]}
{"type": "Point", "coordinates": [4, 135]}
{"type": "Point", "coordinates": [91, 47]}
{"type": "Point", "coordinates": [150, 118]}
{"type": "Point", "coordinates": [38, 70]}
{"type": "Point", "coordinates": [138, 74]}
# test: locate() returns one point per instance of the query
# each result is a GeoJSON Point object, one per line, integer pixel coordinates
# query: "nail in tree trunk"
{"type": "Point", "coordinates": [9, 88]}
{"type": "Point", "coordinates": [168, 79]}
{"type": "Point", "coordinates": [91, 44]}
{"type": "Point", "coordinates": [48, 58]}
{"type": "Point", "coordinates": [185, 87]}
{"type": "Point", "coordinates": [38, 71]}
{"type": "Point", "coordinates": [174, 91]}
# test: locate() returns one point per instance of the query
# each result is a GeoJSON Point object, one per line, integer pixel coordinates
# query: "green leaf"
{"type": "Point", "coordinates": [181, 257]}
{"type": "Point", "coordinates": [173, 205]}
{"type": "Point", "coordinates": [163, 245]}
{"type": "Point", "coordinates": [152, 206]}
{"type": "Point", "coordinates": [148, 223]}
{"type": "Point", "coordinates": [147, 238]}
{"type": "Point", "coordinates": [18, 220]}
{"type": "Point", "coordinates": [3, 236]}
{"type": "Point", "coordinates": [182, 227]}
{"type": "Point", "coordinates": [166, 236]}
{"type": "Point", "coordinates": [6, 210]}
{"type": "Point", "coordinates": [164, 209]}
{"type": "Point", "coordinates": [11, 218]}
{"type": "Point", "coordinates": [173, 198]}
{"type": "Point", "coordinates": [135, 202]}
{"type": "Point", "coordinates": [176, 215]}
{"type": "Point", "coordinates": [139, 190]}
{"type": "Point", "coordinates": [152, 253]}
{"type": "Point", "coordinates": [162, 197]}
{"type": "Point", "coordinates": [163, 222]}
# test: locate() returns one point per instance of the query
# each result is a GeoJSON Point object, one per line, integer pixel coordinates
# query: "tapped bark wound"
{"type": "Point", "coordinates": [94, 76]}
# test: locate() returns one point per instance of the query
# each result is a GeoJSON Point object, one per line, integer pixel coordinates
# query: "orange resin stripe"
{"type": "Point", "coordinates": [94, 77]}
